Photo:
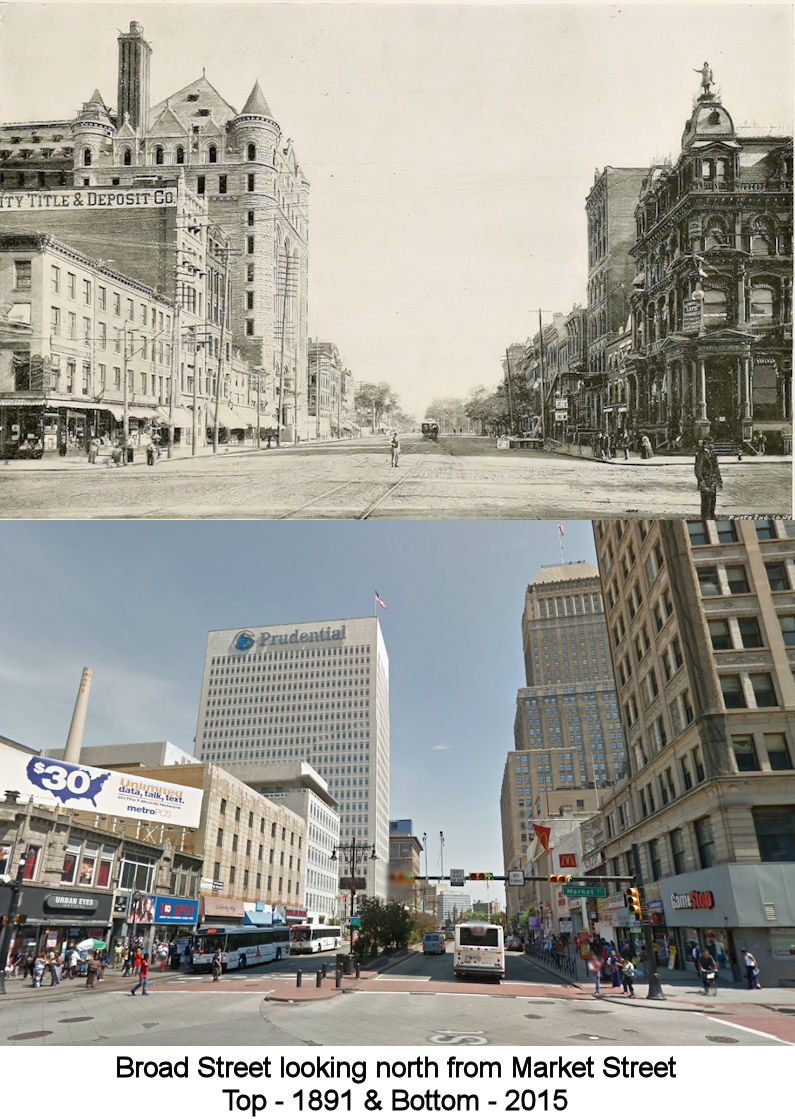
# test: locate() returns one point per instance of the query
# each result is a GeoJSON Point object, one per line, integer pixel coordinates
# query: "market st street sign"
{"type": "Point", "coordinates": [585, 891]}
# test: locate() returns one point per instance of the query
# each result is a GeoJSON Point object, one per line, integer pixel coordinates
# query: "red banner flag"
{"type": "Point", "coordinates": [543, 835]}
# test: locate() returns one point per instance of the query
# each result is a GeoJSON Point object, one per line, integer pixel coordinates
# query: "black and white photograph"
{"type": "Point", "coordinates": [412, 261]}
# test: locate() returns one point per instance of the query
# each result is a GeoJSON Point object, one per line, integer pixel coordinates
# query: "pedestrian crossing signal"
{"type": "Point", "coordinates": [559, 877]}
{"type": "Point", "coordinates": [481, 876]}
{"type": "Point", "coordinates": [633, 903]}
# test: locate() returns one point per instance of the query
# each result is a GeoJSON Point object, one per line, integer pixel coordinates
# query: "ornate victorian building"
{"type": "Point", "coordinates": [711, 349]}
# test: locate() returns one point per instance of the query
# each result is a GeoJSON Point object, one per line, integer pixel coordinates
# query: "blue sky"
{"type": "Point", "coordinates": [135, 602]}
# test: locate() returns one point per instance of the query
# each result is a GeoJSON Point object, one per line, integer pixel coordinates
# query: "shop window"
{"type": "Point", "coordinates": [705, 842]}
{"type": "Point", "coordinates": [775, 833]}
{"type": "Point", "coordinates": [777, 750]}
{"type": "Point", "coordinates": [745, 756]}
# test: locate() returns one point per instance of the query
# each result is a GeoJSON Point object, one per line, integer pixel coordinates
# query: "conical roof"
{"type": "Point", "coordinates": [256, 104]}
{"type": "Point", "coordinates": [96, 99]}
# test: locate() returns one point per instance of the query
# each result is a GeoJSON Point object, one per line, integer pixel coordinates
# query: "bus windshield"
{"type": "Point", "coordinates": [480, 936]}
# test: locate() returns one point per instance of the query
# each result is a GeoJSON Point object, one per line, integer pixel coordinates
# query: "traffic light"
{"type": "Point", "coordinates": [633, 903]}
{"type": "Point", "coordinates": [481, 876]}
{"type": "Point", "coordinates": [559, 877]}
{"type": "Point", "coordinates": [402, 876]}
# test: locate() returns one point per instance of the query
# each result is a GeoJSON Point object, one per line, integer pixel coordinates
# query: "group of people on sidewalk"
{"type": "Point", "coordinates": [605, 961]}
{"type": "Point", "coordinates": [70, 965]}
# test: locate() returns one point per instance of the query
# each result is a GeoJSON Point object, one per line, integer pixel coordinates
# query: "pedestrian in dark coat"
{"type": "Point", "coordinates": [708, 478]}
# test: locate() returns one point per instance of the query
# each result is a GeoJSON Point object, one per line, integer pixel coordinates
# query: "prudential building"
{"type": "Point", "coordinates": [315, 692]}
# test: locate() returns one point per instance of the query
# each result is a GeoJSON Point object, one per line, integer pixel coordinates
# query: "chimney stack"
{"type": "Point", "coordinates": [74, 742]}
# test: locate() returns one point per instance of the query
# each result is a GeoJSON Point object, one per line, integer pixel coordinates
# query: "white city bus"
{"type": "Point", "coordinates": [241, 945]}
{"type": "Point", "coordinates": [314, 938]}
{"type": "Point", "coordinates": [479, 950]}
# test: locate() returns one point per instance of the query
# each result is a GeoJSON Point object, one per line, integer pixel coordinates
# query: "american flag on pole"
{"type": "Point", "coordinates": [380, 601]}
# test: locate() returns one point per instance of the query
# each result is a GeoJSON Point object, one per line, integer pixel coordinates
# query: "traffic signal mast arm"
{"type": "Point", "coordinates": [481, 876]}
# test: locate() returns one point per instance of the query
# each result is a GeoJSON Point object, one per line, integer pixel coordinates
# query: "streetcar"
{"type": "Point", "coordinates": [430, 429]}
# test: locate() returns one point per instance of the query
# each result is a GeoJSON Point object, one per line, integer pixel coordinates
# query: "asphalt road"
{"type": "Point", "coordinates": [458, 477]}
{"type": "Point", "coordinates": [415, 1002]}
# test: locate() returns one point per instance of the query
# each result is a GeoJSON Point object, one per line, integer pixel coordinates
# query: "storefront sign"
{"type": "Point", "coordinates": [71, 903]}
{"type": "Point", "coordinates": [592, 861]}
{"type": "Point", "coordinates": [696, 899]}
{"type": "Point", "coordinates": [211, 884]}
{"type": "Point", "coordinates": [567, 859]}
{"type": "Point", "coordinates": [52, 782]}
{"type": "Point", "coordinates": [691, 316]}
{"type": "Point", "coordinates": [94, 199]}
{"type": "Point", "coordinates": [176, 911]}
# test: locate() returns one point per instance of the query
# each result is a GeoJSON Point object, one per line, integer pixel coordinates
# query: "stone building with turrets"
{"type": "Point", "coordinates": [240, 162]}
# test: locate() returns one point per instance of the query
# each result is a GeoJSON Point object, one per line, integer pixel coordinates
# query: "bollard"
{"type": "Point", "coordinates": [298, 977]}
{"type": "Point", "coordinates": [318, 979]}
{"type": "Point", "coordinates": [323, 969]}
{"type": "Point", "coordinates": [358, 967]}
{"type": "Point", "coordinates": [338, 977]}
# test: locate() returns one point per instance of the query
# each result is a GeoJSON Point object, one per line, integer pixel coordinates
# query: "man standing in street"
{"type": "Point", "coordinates": [708, 478]}
{"type": "Point", "coordinates": [143, 974]}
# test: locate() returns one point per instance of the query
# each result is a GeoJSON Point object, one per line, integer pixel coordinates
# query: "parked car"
{"type": "Point", "coordinates": [513, 944]}
{"type": "Point", "coordinates": [433, 944]}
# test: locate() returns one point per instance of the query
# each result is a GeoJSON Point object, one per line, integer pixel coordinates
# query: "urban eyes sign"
{"type": "Point", "coordinates": [49, 781]}
{"type": "Point", "coordinates": [96, 199]}
{"type": "Point", "coordinates": [247, 639]}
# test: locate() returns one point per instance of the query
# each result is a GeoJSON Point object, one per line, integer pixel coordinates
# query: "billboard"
{"type": "Point", "coordinates": [156, 909]}
{"type": "Point", "coordinates": [97, 198]}
{"type": "Point", "coordinates": [51, 782]}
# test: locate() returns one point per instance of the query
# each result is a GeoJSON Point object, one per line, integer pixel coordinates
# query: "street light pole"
{"type": "Point", "coordinates": [354, 851]}
{"type": "Point", "coordinates": [14, 885]}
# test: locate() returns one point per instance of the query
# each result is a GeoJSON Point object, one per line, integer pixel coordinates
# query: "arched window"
{"type": "Point", "coordinates": [762, 304]}
{"type": "Point", "coordinates": [86, 157]}
{"type": "Point", "coordinates": [180, 154]}
{"type": "Point", "coordinates": [251, 152]}
{"type": "Point", "coordinates": [126, 157]}
{"type": "Point", "coordinates": [715, 307]}
{"type": "Point", "coordinates": [212, 154]}
{"type": "Point", "coordinates": [158, 155]}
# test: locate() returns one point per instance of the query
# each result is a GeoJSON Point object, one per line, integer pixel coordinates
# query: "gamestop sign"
{"type": "Point", "coordinates": [176, 911]}
{"type": "Point", "coordinates": [695, 899]}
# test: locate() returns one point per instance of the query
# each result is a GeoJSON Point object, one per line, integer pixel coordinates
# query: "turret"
{"type": "Point", "coordinates": [91, 131]}
{"type": "Point", "coordinates": [253, 131]}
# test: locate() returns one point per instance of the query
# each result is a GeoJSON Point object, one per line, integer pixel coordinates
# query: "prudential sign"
{"type": "Point", "coordinates": [52, 782]}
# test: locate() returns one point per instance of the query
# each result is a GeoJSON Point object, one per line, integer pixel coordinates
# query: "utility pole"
{"type": "Point", "coordinates": [259, 401]}
{"type": "Point", "coordinates": [655, 990]}
{"type": "Point", "coordinates": [510, 396]}
{"type": "Point", "coordinates": [14, 886]}
{"type": "Point", "coordinates": [441, 852]}
{"type": "Point", "coordinates": [126, 404]}
{"type": "Point", "coordinates": [193, 330]}
{"type": "Point", "coordinates": [221, 351]}
{"type": "Point", "coordinates": [280, 419]}
{"type": "Point", "coordinates": [175, 342]}
{"type": "Point", "coordinates": [541, 353]}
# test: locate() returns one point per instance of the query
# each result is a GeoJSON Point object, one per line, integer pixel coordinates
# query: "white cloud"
{"type": "Point", "coordinates": [441, 747]}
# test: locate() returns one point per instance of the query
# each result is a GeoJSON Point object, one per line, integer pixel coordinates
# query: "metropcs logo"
{"type": "Point", "coordinates": [247, 639]}
{"type": "Point", "coordinates": [696, 899]}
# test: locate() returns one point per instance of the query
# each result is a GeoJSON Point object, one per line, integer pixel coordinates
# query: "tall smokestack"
{"type": "Point", "coordinates": [74, 742]}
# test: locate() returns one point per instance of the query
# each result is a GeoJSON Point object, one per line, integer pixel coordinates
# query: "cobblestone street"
{"type": "Point", "coordinates": [459, 477]}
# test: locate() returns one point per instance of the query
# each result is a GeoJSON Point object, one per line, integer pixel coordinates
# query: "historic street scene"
{"type": "Point", "coordinates": [225, 290]}
{"type": "Point", "coordinates": [283, 823]}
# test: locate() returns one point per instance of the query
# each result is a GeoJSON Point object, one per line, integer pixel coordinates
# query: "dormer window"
{"type": "Point", "coordinates": [714, 117]}
{"type": "Point", "coordinates": [126, 157]}
{"type": "Point", "coordinates": [212, 154]}
{"type": "Point", "coordinates": [192, 97]}
{"type": "Point", "coordinates": [204, 112]}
